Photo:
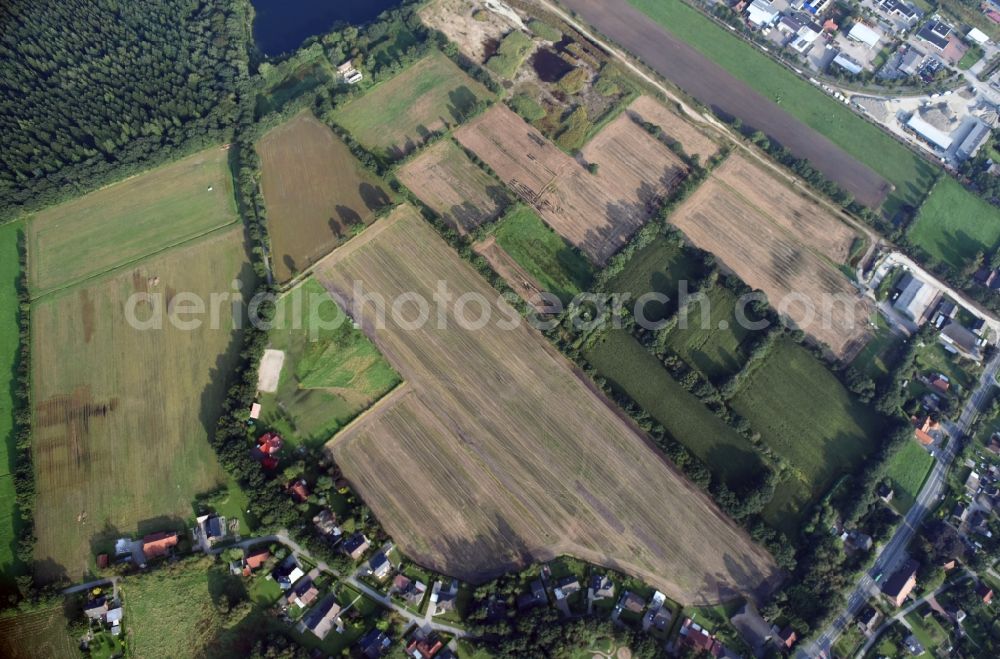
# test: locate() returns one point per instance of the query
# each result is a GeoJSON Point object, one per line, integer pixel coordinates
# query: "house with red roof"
{"type": "Point", "coordinates": [299, 490]}
{"type": "Point", "coordinates": [158, 544]}
{"type": "Point", "coordinates": [254, 560]}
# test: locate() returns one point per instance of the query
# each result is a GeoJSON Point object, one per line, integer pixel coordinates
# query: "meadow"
{"type": "Point", "coordinates": [9, 341]}
{"type": "Point", "coordinates": [630, 368]}
{"type": "Point", "coordinates": [908, 470]}
{"type": "Point", "coordinates": [401, 113]}
{"type": "Point", "coordinates": [907, 171]}
{"type": "Point", "coordinates": [42, 632]}
{"type": "Point", "coordinates": [301, 73]}
{"type": "Point", "coordinates": [178, 610]}
{"type": "Point", "coordinates": [330, 375]}
{"type": "Point", "coordinates": [123, 411]}
{"type": "Point", "coordinates": [713, 347]}
{"type": "Point", "coordinates": [953, 226]}
{"type": "Point", "coordinates": [807, 417]}
{"type": "Point", "coordinates": [316, 193]}
{"type": "Point", "coordinates": [145, 213]}
{"type": "Point", "coordinates": [557, 267]}
{"type": "Point", "coordinates": [659, 267]}
{"type": "Point", "coordinates": [472, 477]}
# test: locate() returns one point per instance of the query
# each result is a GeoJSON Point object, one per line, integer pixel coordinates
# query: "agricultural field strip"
{"type": "Point", "coordinates": [482, 386]}
{"type": "Point", "coordinates": [595, 212]}
{"type": "Point", "coordinates": [692, 140]}
{"type": "Point", "coordinates": [107, 415]}
{"type": "Point", "coordinates": [802, 218]}
{"type": "Point", "coordinates": [147, 213]}
{"type": "Point", "coordinates": [718, 220]}
{"type": "Point", "coordinates": [453, 186]}
{"type": "Point", "coordinates": [513, 273]}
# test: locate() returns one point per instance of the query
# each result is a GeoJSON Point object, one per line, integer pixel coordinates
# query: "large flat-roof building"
{"type": "Point", "coordinates": [916, 298]}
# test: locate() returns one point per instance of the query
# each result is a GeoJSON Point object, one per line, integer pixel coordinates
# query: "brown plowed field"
{"type": "Point", "coordinates": [502, 454]}
{"type": "Point", "coordinates": [454, 187]}
{"type": "Point", "coordinates": [808, 222]}
{"type": "Point", "coordinates": [766, 256]}
{"type": "Point", "coordinates": [597, 213]}
{"type": "Point", "coordinates": [693, 141]}
{"type": "Point", "coordinates": [315, 191]}
{"type": "Point", "coordinates": [513, 273]}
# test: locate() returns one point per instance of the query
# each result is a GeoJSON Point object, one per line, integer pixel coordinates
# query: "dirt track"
{"type": "Point", "coordinates": [715, 87]}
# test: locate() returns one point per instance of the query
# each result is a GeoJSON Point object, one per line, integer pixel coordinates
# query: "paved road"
{"type": "Point", "coordinates": [893, 552]}
{"type": "Point", "coordinates": [718, 89]}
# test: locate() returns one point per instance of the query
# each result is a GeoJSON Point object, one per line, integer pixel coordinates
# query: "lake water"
{"type": "Point", "coordinates": [281, 26]}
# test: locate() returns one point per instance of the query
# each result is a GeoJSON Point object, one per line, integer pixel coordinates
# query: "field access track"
{"type": "Point", "coordinates": [473, 477]}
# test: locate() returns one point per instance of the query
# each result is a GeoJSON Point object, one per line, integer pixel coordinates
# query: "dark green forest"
{"type": "Point", "coordinates": [91, 90]}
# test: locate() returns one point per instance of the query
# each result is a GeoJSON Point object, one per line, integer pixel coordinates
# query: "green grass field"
{"type": "Point", "coordinates": [39, 633]}
{"type": "Point", "coordinates": [9, 272]}
{"type": "Point", "coordinates": [330, 374]}
{"type": "Point", "coordinates": [712, 347]}
{"type": "Point", "coordinates": [398, 114]}
{"type": "Point", "coordinates": [953, 225]}
{"type": "Point", "coordinates": [933, 358]}
{"type": "Point", "coordinates": [629, 367]}
{"type": "Point", "coordinates": [657, 268]}
{"type": "Point", "coordinates": [908, 172]}
{"type": "Point", "coordinates": [543, 253]}
{"type": "Point", "coordinates": [807, 416]}
{"type": "Point", "coordinates": [178, 610]}
{"type": "Point", "coordinates": [872, 359]}
{"type": "Point", "coordinates": [129, 220]}
{"type": "Point", "coordinates": [123, 411]}
{"type": "Point", "coordinates": [908, 470]}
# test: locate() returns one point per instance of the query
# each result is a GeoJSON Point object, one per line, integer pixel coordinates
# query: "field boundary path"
{"type": "Point", "coordinates": [894, 551]}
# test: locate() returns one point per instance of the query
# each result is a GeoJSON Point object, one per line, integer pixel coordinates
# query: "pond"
{"type": "Point", "coordinates": [280, 26]}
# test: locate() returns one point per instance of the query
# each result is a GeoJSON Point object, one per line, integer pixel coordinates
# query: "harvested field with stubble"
{"type": "Point", "coordinates": [315, 190]}
{"type": "Point", "coordinates": [693, 141]}
{"type": "Point", "coordinates": [808, 222]}
{"type": "Point", "coordinates": [473, 476]}
{"type": "Point", "coordinates": [454, 187]}
{"type": "Point", "coordinates": [596, 212]}
{"type": "Point", "coordinates": [121, 413]}
{"type": "Point", "coordinates": [766, 255]}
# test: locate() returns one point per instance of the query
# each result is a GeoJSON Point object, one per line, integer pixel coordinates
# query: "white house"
{"type": "Point", "coordinates": [762, 13]}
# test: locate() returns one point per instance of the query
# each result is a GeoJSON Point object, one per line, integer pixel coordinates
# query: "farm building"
{"type": "Point", "coordinates": [847, 63]}
{"type": "Point", "coordinates": [977, 36]}
{"type": "Point", "coordinates": [158, 544]}
{"type": "Point", "coordinates": [864, 34]}
{"type": "Point", "coordinates": [961, 340]}
{"type": "Point", "coordinates": [915, 298]}
{"type": "Point", "coordinates": [929, 132]}
{"type": "Point", "coordinates": [973, 140]}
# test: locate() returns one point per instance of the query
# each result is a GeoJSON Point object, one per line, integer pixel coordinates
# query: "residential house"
{"type": "Point", "coordinates": [446, 599]}
{"type": "Point", "coordinates": [212, 528]}
{"type": "Point", "coordinates": [299, 490]}
{"type": "Point", "coordinates": [114, 618]}
{"type": "Point", "coordinates": [96, 608]}
{"type": "Point", "coordinates": [631, 602]}
{"type": "Point", "coordinates": [858, 541]}
{"type": "Point", "coordinates": [900, 9]}
{"type": "Point", "coordinates": [984, 592]}
{"type": "Point", "coordinates": [913, 646]}
{"type": "Point", "coordinates": [266, 452]}
{"type": "Point", "coordinates": [940, 382]}
{"type": "Point", "coordinates": [899, 586]}
{"type": "Point", "coordinates": [325, 522]}
{"type": "Point", "coordinates": [410, 590]}
{"type": "Point", "coordinates": [936, 34]}
{"type": "Point", "coordinates": [601, 587]}
{"type": "Point", "coordinates": [323, 617]}
{"type": "Point", "coordinates": [566, 587]}
{"type": "Point", "coordinates": [987, 278]}
{"type": "Point", "coordinates": [424, 647]}
{"type": "Point", "coordinates": [662, 618]}
{"type": "Point", "coordinates": [994, 444]}
{"type": "Point", "coordinates": [287, 573]}
{"type": "Point", "coordinates": [786, 638]}
{"type": "Point", "coordinates": [303, 593]}
{"type": "Point", "coordinates": [374, 644]}
{"type": "Point", "coordinates": [885, 492]}
{"type": "Point", "coordinates": [961, 340]}
{"type": "Point", "coordinates": [960, 512]}
{"type": "Point", "coordinates": [868, 620]}
{"type": "Point", "coordinates": [158, 544]}
{"type": "Point", "coordinates": [927, 430]}
{"type": "Point", "coordinates": [696, 637]}
{"type": "Point", "coordinates": [535, 597]}
{"type": "Point", "coordinates": [356, 545]}
{"type": "Point", "coordinates": [379, 566]}
{"type": "Point", "coordinates": [806, 36]}
{"type": "Point", "coordinates": [349, 74]}
{"type": "Point", "coordinates": [254, 560]}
